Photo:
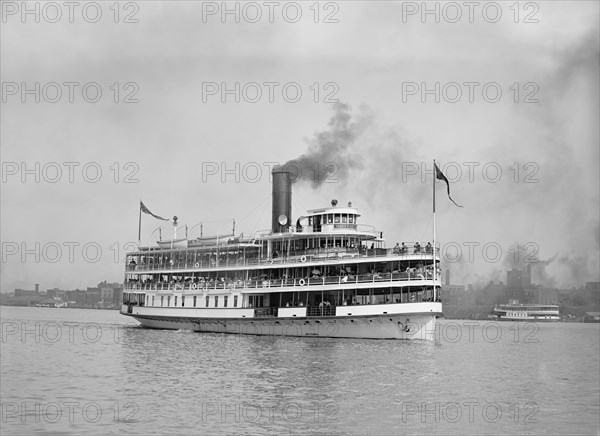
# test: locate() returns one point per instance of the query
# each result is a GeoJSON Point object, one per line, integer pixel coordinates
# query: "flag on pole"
{"type": "Point", "coordinates": [144, 209]}
{"type": "Point", "coordinates": [440, 176]}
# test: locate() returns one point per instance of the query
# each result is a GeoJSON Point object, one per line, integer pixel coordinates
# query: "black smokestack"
{"type": "Point", "coordinates": [282, 200]}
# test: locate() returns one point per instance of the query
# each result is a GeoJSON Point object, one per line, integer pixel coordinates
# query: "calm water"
{"type": "Point", "coordinates": [70, 371]}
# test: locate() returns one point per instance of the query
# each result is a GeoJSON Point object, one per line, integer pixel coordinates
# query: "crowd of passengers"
{"type": "Point", "coordinates": [223, 282]}
{"type": "Point", "coordinates": [403, 249]}
{"type": "Point", "coordinates": [212, 259]}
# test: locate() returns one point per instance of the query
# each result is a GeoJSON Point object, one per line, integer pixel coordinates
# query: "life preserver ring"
{"type": "Point", "coordinates": [197, 265]}
{"type": "Point", "coordinates": [194, 286]}
{"type": "Point", "coordinates": [303, 259]}
{"type": "Point", "coordinates": [301, 282]}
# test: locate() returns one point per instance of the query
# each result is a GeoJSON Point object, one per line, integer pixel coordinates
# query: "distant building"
{"type": "Point", "coordinates": [593, 286]}
{"type": "Point", "coordinates": [92, 296]}
{"type": "Point", "coordinates": [56, 293]}
{"type": "Point", "coordinates": [106, 293]}
{"type": "Point", "coordinates": [110, 294]}
{"type": "Point", "coordinates": [449, 291]}
{"type": "Point", "coordinates": [76, 298]}
{"type": "Point", "coordinates": [104, 296]}
{"type": "Point", "coordinates": [492, 294]}
{"type": "Point", "coordinates": [519, 280]}
{"type": "Point", "coordinates": [118, 297]}
{"type": "Point", "coordinates": [455, 294]}
{"type": "Point", "coordinates": [24, 293]}
{"type": "Point", "coordinates": [542, 295]}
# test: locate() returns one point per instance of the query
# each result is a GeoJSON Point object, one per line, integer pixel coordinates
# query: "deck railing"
{"type": "Point", "coordinates": [282, 283]}
{"type": "Point", "coordinates": [264, 312]}
{"type": "Point", "coordinates": [338, 255]}
{"type": "Point", "coordinates": [321, 310]}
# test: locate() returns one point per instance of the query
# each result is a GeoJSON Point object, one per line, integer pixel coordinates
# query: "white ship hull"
{"type": "Point", "coordinates": [403, 324]}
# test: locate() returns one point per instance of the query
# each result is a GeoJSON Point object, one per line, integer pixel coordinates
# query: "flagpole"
{"type": "Point", "coordinates": [434, 247]}
{"type": "Point", "coordinates": [140, 227]}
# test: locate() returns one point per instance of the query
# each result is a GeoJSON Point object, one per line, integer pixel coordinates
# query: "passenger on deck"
{"type": "Point", "coordinates": [403, 249]}
{"type": "Point", "coordinates": [417, 249]}
{"type": "Point", "coordinates": [428, 248]}
{"type": "Point", "coordinates": [396, 249]}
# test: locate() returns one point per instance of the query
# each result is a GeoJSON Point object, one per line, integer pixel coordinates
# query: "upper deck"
{"type": "Point", "coordinates": [258, 255]}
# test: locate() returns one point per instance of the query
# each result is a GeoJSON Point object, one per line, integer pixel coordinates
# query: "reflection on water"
{"type": "Point", "coordinates": [153, 381]}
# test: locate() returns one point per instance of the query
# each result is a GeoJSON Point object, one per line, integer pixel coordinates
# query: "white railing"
{"type": "Point", "coordinates": [323, 255]}
{"type": "Point", "coordinates": [280, 283]}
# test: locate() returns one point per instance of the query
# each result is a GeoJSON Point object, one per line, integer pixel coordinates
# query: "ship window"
{"type": "Point", "coordinates": [175, 301]}
{"type": "Point", "coordinates": [216, 300]}
{"type": "Point", "coordinates": [350, 219]}
{"type": "Point", "coordinates": [168, 300]}
{"type": "Point", "coordinates": [225, 298]}
{"type": "Point", "coordinates": [310, 221]}
{"type": "Point", "coordinates": [235, 301]}
{"type": "Point", "coordinates": [183, 301]}
{"type": "Point", "coordinates": [162, 300]}
{"type": "Point", "coordinates": [194, 301]}
{"type": "Point", "coordinates": [330, 218]}
{"type": "Point", "coordinates": [337, 218]}
{"type": "Point", "coordinates": [207, 298]}
{"type": "Point", "coordinates": [344, 218]}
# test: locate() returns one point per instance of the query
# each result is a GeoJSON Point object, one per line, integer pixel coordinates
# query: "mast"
{"type": "Point", "coordinates": [140, 226]}
{"type": "Point", "coordinates": [434, 246]}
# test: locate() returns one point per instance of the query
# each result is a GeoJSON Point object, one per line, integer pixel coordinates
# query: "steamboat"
{"type": "Point", "coordinates": [513, 311]}
{"type": "Point", "coordinates": [326, 275]}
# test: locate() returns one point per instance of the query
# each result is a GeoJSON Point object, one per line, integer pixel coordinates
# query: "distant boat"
{"type": "Point", "coordinates": [513, 311]}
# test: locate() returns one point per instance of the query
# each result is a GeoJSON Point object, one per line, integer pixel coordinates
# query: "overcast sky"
{"type": "Point", "coordinates": [374, 57]}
